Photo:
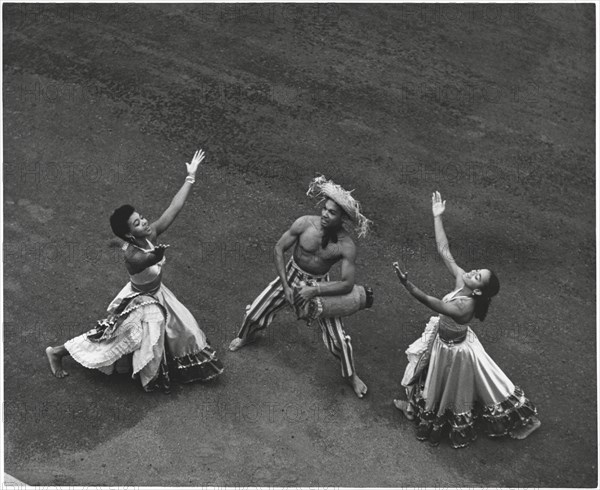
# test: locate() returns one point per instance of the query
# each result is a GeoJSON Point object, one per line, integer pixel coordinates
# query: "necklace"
{"type": "Point", "coordinates": [142, 249]}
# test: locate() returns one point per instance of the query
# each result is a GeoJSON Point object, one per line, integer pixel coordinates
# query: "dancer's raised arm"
{"type": "Point", "coordinates": [167, 218]}
{"type": "Point", "coordinates": [460, 311]}
{"type": "Point", "coordinates": [438, 207]}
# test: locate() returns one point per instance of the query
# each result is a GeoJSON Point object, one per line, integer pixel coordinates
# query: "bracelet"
{"type": "Point", "coordinates": [190, 179]}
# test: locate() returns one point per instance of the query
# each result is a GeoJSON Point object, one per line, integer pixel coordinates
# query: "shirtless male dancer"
{"type": "Point", "coordinates": [319, 242]}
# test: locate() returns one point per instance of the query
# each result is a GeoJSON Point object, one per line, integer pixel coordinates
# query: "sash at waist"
{"type": "Point", "coordinates": [306, 275]}
{"type": "Point", "coordinates": [452, 336]}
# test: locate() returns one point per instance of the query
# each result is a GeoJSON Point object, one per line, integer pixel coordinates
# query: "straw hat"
{"type": "Point", "coordinates": [322, 188]}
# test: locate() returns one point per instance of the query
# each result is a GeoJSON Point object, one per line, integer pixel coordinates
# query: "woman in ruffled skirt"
{"type": "Point", "coordinates": [450, 380]}
{"type": "Point", "coordinates": [147, 329]}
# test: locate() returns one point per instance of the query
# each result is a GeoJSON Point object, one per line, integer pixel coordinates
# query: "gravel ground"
{"type": "Point", "coordinates": [493, 105]}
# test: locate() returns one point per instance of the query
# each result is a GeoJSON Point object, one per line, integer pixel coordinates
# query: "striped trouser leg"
{"type": "Point", "coordinates": [338, 343]}
{"type": "Point", "coordinates": [261, 312]}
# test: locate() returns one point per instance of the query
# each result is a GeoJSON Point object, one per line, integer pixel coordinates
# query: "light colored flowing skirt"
{"type": "Point", "coordinates": [462, 374]}
{"type": "Point", "coordinates": [141, 333]}
{"type": "Point", "coordinates": [164, 339]}
{"type": "Point", "coordinates": [461, 383]}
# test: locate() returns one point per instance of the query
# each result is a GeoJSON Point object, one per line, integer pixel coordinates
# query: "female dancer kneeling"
{"type": "Point", "coordinates": [145, 319]}
{"type": "Point", "coordinates": [461, 381]}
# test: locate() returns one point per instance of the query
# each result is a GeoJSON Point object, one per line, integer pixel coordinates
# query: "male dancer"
{"type": "Point", "coordinates": [319, 243]}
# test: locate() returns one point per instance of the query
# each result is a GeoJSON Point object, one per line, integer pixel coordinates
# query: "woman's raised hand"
{"type": "Point", "coordinates": [160, 249]}
{"type": "Point", "coordinates": [193, 166]}
{"type": "Point", "coordinates": [437, 205]}
{"type": "Point", "coordinates": [403, 276]}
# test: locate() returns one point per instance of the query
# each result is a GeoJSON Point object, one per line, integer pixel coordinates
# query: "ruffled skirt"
{"type": "Point", "coordinates": [154, 335]}
{"type": "Point", "coordinates": [461, 385]}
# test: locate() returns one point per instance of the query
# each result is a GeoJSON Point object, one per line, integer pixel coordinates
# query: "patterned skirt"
{"type": "Point", "coordinates": [462, 385]}
{"type": "Point", "coordinates": [154, 335]}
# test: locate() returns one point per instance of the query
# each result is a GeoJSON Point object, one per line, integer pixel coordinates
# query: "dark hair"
{"type": "Point", "coordinates": [483, 300]}
{"type": "Point", "coordinates": [119, 220]}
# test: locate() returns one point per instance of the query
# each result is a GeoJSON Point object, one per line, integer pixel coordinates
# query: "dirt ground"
{"type": "Point", "coordinates": [491, 104]}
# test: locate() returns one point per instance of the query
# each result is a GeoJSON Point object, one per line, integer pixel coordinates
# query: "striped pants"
{"type": "Point", "coordinates": [261, 313]}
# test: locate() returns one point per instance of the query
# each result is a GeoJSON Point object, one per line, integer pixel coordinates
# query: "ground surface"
{"type": "Point", "coordinates": [492, 105]}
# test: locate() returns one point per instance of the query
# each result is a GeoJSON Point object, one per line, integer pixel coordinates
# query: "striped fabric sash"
{"type": "Point", "coordinates": [148, 288]}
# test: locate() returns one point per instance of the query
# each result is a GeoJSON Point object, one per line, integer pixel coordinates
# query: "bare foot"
{"type": "Point", "coordinates": [238, 343]}
{"type": "Point", "coordinates": [522, 432]}
{"type": "Point", "coordinates": [405, 408]}
{"type": "Point", "coordinates": [359, 387]}
{"type": "Point", "coordinates": [55, 363]}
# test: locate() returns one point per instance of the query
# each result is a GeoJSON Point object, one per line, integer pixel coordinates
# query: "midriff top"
{"type": "Point", "coordinates": [150, 278]}
{"type": "Point", "coordinates": [449, 330]}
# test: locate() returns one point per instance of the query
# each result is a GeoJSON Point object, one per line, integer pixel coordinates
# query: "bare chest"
{"type": "Point", "coordinates": [309, 245]}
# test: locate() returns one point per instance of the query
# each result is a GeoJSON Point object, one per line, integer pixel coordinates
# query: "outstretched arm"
{"type": "Point", "coordinates": [457, 310]}
{"type": "Point", "coordinates": [167, 218]}
{"type": "Point", "coordinates": [443, 247]}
